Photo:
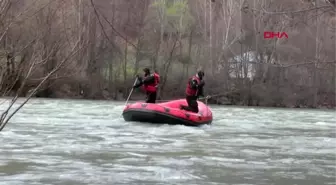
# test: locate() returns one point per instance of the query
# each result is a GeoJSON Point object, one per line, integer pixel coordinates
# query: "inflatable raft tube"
{"type": "Point", "coordinates": [167, 113]}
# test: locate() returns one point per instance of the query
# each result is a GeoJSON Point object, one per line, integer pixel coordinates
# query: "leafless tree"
{"type": "Point", "coordinates": [93, 49]}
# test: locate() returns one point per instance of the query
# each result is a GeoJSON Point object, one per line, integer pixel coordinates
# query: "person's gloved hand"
{"type": "Point", "coordinates": [139, 78]}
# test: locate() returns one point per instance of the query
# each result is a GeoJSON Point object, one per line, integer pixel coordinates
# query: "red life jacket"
{"type": "Point", "coordinates": [152, 87]}
{"type": "Point", "coordinates": [190, 91]}
{"type": "Point", "coordinates": [157, 78]}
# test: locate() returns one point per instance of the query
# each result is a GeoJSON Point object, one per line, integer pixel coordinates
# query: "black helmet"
{"type": "Point", "coordinates": [200, 74]}
{"type": "Point", "coordinates": [146, 70]}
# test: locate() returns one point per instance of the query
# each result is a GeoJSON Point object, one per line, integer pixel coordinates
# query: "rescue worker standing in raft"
{"type": "Point", "coordinates": [193, 91]}
{"type": "Point", "coordinates": [150, 84]}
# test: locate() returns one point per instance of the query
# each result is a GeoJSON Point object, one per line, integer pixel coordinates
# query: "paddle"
{"type": "Point", "coordinates": [205, 98]}
{"type": "Point", "coordinates": [131, 92]}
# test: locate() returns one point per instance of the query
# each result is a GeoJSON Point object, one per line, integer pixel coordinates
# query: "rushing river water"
{"type": "Point", "coordinates": [72, 142]}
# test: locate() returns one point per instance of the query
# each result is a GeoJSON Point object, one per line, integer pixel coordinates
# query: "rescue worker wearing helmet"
{"type": "Point", "coordinates": [150, 83]}
{"type": "Point", "coordinates": [193, 91]}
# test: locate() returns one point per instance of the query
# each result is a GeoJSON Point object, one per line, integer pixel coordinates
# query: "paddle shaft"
{"type": "Point", "coordinates": [131, 92]}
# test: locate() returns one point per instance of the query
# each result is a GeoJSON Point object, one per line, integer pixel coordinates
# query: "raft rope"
{"type": "Point", "coordinates": [205, 98]}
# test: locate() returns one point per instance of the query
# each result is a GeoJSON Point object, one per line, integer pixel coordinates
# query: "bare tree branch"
{"type": "Point", "coordinates": [3, 122]}
{"type": "Point", "coordinates": [290, 12]}
{"type": "Point", "coordinates": [119, 34]}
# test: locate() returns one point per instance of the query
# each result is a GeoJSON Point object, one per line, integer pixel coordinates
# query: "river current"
{"type": "Point", "coordinates": [76, 142]}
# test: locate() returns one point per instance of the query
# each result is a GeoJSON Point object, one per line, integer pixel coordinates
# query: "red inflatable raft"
{"type": "Point", "coordinates": [167, 113]}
